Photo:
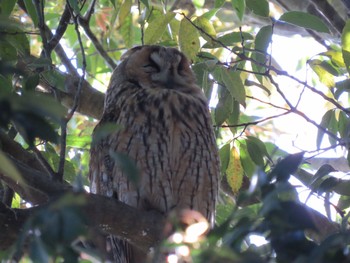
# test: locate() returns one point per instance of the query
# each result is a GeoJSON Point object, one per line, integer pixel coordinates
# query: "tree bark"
{"type": "Point", "coordinates": [142, 229]}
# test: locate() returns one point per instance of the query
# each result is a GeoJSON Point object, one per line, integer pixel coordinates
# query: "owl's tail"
{"type": "Point", "coordinates": [123, 252]}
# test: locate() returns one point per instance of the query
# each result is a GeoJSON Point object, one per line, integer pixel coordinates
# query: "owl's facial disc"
{"type": "Point", "coordinates": [168, 67]}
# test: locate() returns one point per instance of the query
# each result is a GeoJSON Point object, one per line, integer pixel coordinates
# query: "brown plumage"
{"type": "Point", "coordinates": [165, 129]}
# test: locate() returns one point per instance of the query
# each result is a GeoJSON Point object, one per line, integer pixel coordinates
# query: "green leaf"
{"type": "Point", "coordinates": [30, 82]}
{"type": "Point", "coordinates": [287, 166]}
{"type": "Point", "coordinates": [6, 7]}
{"type": "Point", "coordinates": [32, 126]}
{"type": "Point", "coordinates": [234, 116]}
{"type": "Point", "coordinates": [145, 2]}
{"type": "Point", "coordinates": [7, 168]}
{"type": "Point", "coordinates": [48, 106]}
{"type": "Point", "coordinates": [16, 201]}
{"type": "Point", "coordinates": [124, 11]}
{"type": "Point", "coordinates": [249, 83]}
{"type": "Point", "coordinates": [207, 29]}
{"type": "Point", "coordinates": [37, 250]}
{"type": "Point", "coordinates": [259, 7]}
{"type": "Point", "coordinates": [78, 141]}
{"type": "Point", "coordinates": [233, 83]}
{"type": "Point", "coordinates": [322, 70]}
{"type": "Point", "coordinates": [324, 170]}
{"type": "Point", "coordinates": [248, 164]}
{"type": "Point", "coordinates": [75, 6]}
{"type": "Point", "coordinates": [128, 167]}
{"type": "Point", "coordinates": [224, 108]}
{"type": "Point", "coordinates": [341, 86]}
{"type": "Point", "coordinates": [224, 154]}
{"type": "Point", "coordinates": [210, 13]}
{"type": "Point", "coordinates": [202, 75]}
{"type": "Point", "coordinates": [103, 131]}
{"type": "Point", "coordinates": [127, 31]}
{"type": "Point", "coordinates": [5, 82]}
{"type": "Point", "coordinates": [336, 57]}
{"type": "Point", "coordinates": [229, 39]}
{"type": "Point", "coordinates": [325, 123]}
{"type": "Point", "coordinates": [219, 3]}
{"type": "Point", "coordinates": [344, 125]}
{"type": "Point", "coordinates": [239, 6]}
{"type": "Point", "coordinates": [304, 20]}
{"type": "Point", "coordinates": [40, 62]}
{"type": "Point", "coordinates": [53, 159]}
{"type": "Point", "coordinates": [54, 78]}
{"type": "Point", "coordinates": [256, 150]}
{"type": "Point", "coordinates": [7, 51]}
{"type": "Point", "coordinates": [32, 12]}
{"type": "Point", "coordinates": [235, 37]}
{"type": "Point", "coordinates": [20, 42]}
{"type": "Point", "coordinates": [345, 43]}
{"type": "Point", "coordinates": [262, 41]}
{"type": "Point", "coordinates": [198, 3]}
{"type": "Point", "coordinates": [157, 26]}
{"type": "Point", "coordinates": [188, 39]}
{"type": "Point", "coordinates": [13, 36]}
{"type": "Point", "coordinates": [328, 184]}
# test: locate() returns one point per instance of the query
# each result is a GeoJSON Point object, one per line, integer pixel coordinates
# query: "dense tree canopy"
{"type": "Point", "coordinates": [56, 58]}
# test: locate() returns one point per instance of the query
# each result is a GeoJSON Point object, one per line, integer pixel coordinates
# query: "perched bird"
{"type": "Point", "coordinates": [165, 129]}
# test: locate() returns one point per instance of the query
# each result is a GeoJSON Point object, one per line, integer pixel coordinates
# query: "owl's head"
{"type": "Point", "coordinates": [156, 67]}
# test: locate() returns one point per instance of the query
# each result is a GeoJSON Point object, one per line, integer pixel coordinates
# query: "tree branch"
{"type": "Point", "coordinates": [84, 23]}
{"type": "Point", "coordinates": [90, 101]}
{"type": "Point", "coordinates": [111, 216]}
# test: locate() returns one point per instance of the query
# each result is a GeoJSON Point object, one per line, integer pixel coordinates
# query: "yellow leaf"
{"type": "Point", "coordinates": [207, 29]}
{"type": "Point", "coordinates": [188, 39]}
{"type": "Point", "coordinates": [336, 57]}
{"type": "Point", "coordinates": [325, 77]}
{"type": "Point", "coordinates": [234, 171]}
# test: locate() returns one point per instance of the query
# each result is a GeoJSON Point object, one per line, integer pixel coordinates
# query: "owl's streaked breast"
{"type": "Point", "coordinates": [169, 136]}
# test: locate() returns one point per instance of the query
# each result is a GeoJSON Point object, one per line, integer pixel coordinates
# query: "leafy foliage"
{"type": "Point", "coordinates": [42, 45]}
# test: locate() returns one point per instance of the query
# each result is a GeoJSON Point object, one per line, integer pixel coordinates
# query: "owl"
{"type": "Point", "coordinates": [165, 130]}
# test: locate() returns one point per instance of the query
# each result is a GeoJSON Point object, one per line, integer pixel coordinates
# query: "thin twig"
{"type": "Point", "coordinates": [246, 124]}
{"type": "Point", "coordinates": [325, 97]}
{"type": "Point", "coordinates": [142, 23]}
{"type": "Point", "coordinates": [269, 68]}
{"type": "Point", "coordinates": [60, 30]}
{"type": "Point", "coordinates": [65, 121]}
{"type": "Point", "coordinates": [39, 7]}
{"type": "Point", "coordinates": [44, 163]}
{"type": "Point", "coordinates": [296, 111]}
{"type": "Point", "coordinates": [84, 22]}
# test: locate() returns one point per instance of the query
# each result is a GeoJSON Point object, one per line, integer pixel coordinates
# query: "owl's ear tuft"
{"type": "Point", "coordinates": [130, 52]}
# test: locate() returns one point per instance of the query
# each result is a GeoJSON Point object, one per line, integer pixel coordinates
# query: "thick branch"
{"type": "Point", "coordinates": [37, 186]}
{"type": "Point", "coordinates": [143, 229]}
{"type": "Point", "coordinates": [85, 25]}
{"type": "Point", "coordinates": [90, 100]}
{"type": "Point", "coordinates": [14, 149]}
{"type": "Point", "coordinates": [113, 217]}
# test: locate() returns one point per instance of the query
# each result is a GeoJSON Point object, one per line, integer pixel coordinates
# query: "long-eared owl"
{"type": "Point", "coordinates": [166, 130]}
